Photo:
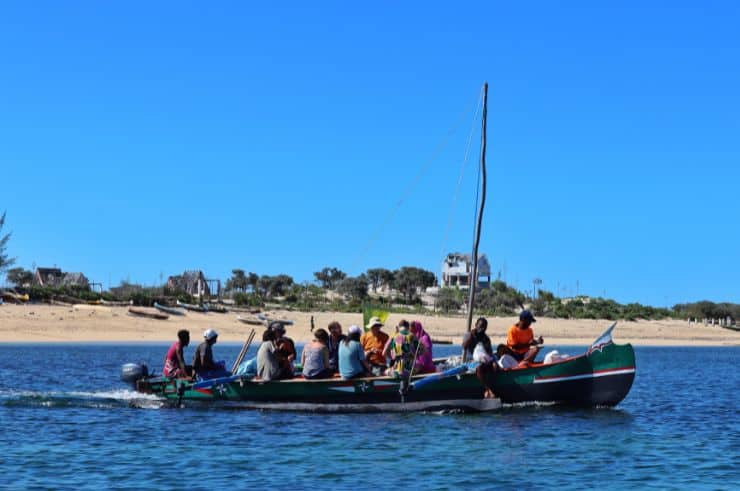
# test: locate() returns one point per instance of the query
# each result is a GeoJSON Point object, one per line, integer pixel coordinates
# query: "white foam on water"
{"type": "Point", "coordinates": [116, 394]}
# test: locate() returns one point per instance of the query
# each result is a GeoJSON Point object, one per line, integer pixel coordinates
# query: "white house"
{"type": "Point", "coordinates": [457, 268]}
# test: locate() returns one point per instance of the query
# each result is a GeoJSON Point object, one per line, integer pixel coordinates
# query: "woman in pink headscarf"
{"type": "Point", "coordinates": [424, 360]}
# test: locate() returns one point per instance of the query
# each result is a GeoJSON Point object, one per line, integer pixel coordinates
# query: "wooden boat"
{"type": "Point", "coordinates": [112, 303]}
{"type": "Point", "coordinates": [168, 310]}
{"type": "Point", "coordinates": [152, 314]}
{"type": "Point", "coordinates": [602, 376]}
{"type": "Point", "coordinates": [192, 307]}
{"type": "Point", "coordinates": [12, 297]}
{"type": "Point", "coordinates": [250, 320]}
{"type": "Point", "coordinates": [215, 308]}
{"type": "Point", "coordinates": [268, 320]}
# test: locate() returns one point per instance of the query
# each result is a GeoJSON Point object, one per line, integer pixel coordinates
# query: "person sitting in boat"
{"type": "Point", "coordinates": [477, 346]}
{"type": "Point", "coordinates": [424, 360]}
{"type": "Point", "coordinates": [475, 336]}
{"type": "Point", "coordinates": [174, 361]}
{"type": "Point", "coordinates": [402, 349]}
{"type": "Point", "coordinates": [315, 357]}
{"type": "Point", "coordinates": [351, 360]}
{"type": "Point", "coordinates": [335, 337]}
{"type": "Point", "coordinates": [285, 350]}
{"type": "Point", "coordinates": [373, 343]}
{"type": "Point", "coordinates": [268, 367]}
{"type": "Point", "coordinates": [203, 363]}
{"type": "Point", "coordinates": [520, 341]}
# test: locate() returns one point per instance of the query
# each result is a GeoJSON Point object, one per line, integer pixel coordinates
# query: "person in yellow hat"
{"type": "Point", "coordinates": [373, 342]}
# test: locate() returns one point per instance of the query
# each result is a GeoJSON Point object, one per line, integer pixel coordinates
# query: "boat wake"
{"type": "Point", "coordinates": [94, 400]}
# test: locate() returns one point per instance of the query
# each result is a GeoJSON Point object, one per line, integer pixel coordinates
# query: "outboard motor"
{"type": "Point", "coordinates": [131, 372]}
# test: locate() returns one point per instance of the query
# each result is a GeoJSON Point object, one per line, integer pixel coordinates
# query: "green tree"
{"type": "Point", "coordinates": [20, 276]}
{"type": "Point", "coordinates": [329, 277]}
{"type": "Point", "coordinates": [354, 288]}
{"type": "Point", "coordinates": [238, 280]}
{"type": "Point", "coordinates": [449, 299]}
{"type": "Point", "coordinates": [408, 280]}
{"type": "Point", "coordinates": [253, 280]}
{"type": "Point", "coordinates": [5, 261]}
{"type": "Point", "coordinates": [378, 277]}
{"type": "Point", "coordinates": [278, 285]}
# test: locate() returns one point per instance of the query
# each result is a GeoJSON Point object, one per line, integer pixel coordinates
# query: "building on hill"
{"type": "Point", "coordinates": [193, 283]}
{"type": "Point", "coordinates": [457, 268]}
{"type": "Point", "coordinates": [55, 277]}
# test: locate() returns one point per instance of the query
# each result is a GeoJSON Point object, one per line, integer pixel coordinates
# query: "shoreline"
{"type": "Point", "coordinates": [95, 324]}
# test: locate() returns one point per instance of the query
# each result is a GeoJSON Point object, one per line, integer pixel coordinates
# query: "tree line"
{"type": "Point", "coordinates": [407, 283]}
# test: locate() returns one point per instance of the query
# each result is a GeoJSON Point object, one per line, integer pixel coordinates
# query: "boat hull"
{"type": "Point", "coordinates": [601, 377]}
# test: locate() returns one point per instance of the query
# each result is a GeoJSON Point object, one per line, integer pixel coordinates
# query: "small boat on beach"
{"type": "Point", "coordinates": [192, 307]}
{"type": "Point", "coordinates": [168, 310]}
{"type": "Point", "coordinates": [218, 309]}
{"type": "Point", "coordinates": [152, 314]}
{"type": "Point", "coordinates": [250, 320]}
{"type": "Point", "coordinates": [111, 303]}
{"type": "Point", "coordinates": [12, 297]}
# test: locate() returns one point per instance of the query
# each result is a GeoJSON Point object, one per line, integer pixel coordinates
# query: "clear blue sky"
{"type": "Point", "coordinates": [140, 139]}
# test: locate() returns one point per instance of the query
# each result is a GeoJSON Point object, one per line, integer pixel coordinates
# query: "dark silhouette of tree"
{"type": "Point", "coordinates": [5, 261]}
{"type": "Point", "coordinates": [238, 280]}
{"type": "Point", "coordinates": [379, 277]}
{"type": "Point", "coordinates": [354, 288]}
{"type": "Point", "coordinates": [20, 276]}
{"type": "Point", "coordinates": [408, 280]}
{"type": "Point", "coordinates": [329, 277]}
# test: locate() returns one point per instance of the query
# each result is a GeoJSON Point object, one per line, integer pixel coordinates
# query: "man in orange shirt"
{"type": "Point", "coordinates": [373, 343]}
{"type": "Point", "coordinates": [520, 341]}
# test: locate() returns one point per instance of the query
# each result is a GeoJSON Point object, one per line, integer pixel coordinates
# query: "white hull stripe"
{"type": "Point", "coordinates": [609, 373]}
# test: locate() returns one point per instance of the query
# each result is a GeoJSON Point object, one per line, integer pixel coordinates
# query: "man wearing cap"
{"type": "Point", "coordinates": [373, 343]}
{"type": "Point", "coordinates": [520, 341]}
{"type": "Point", "coordinates": [203, 363]}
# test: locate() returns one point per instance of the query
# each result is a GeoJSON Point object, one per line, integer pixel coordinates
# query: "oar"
{"type": "Point", "coordinates": [243, 352]}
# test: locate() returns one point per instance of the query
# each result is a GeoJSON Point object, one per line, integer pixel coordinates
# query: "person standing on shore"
{"type": "Point", "coordinates": [174, 361]}
{"type": "Point", "coordinates": [373, 343]}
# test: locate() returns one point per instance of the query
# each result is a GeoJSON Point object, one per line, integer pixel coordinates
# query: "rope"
{"type": "Point", "coordinates": [460, 178]}
{"type": "Point", "coordinates": [408, 190]}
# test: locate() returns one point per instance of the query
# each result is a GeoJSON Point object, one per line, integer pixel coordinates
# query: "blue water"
{"type": "Point", "coordinates": [67, 423]}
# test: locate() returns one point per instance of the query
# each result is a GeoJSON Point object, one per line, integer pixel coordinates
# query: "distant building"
{"type": "Point", "coordinates": [191, 282]}
{"type": "Point", "coordinates": [457, 269]}
{"type": "Point", "coordinates": [55, 277]}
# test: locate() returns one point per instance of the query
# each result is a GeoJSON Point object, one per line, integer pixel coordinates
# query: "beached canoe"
{"type": "Point", "coordinates": [192, 307]}
{"type": "Point", "coordinates": [112, 303]}
{"type": "Point", "coordinates": [168, 310]}
{"type": "Point", "coordinates": [250, 320]}
{"type": "Point", "coordinates": [218, 309]}
{"type": "Point", "coordinates": [602, 376]}
{"type": "Point", "coordinates": [152, 314]}
{"type": "Point", "coordinates": [12, 297]}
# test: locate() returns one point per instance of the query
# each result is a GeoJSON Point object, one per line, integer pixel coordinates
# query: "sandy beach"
{"type": "Point", "coordinates": [93, 323]}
